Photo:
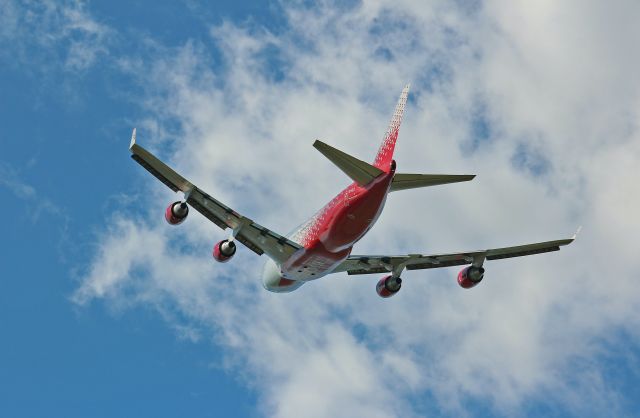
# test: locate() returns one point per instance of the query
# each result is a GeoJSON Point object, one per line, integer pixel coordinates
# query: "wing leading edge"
{"type": "Point", "coordinates": [362, 264]}
{"type": "Point", "coordinates": [253, 235]}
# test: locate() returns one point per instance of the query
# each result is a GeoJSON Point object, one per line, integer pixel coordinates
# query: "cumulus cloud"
{"type": "Point", "coordinates": [540, 101]}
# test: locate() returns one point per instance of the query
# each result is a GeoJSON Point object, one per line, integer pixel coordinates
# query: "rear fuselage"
{"type": "Point", "coordinates": [328, 237]}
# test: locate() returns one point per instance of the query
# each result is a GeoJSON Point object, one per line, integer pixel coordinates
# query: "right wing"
{"type": "Point", "coordinates": [256, 237]}
{"type": "Point", "coordinates": [362, 264]}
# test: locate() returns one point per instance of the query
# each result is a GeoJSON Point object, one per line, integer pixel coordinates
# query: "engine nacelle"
{"type": "Point", "coordinates": [470, 276]}
{"type": "Point", "coordinates": [388, 286]}
{"type": "Point", "coordinates": [176, 213]}
{"type": "Point", "coordinates": [224, 250]}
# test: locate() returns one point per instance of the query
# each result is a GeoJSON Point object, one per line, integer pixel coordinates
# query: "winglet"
{"type": "Point", "coordinates": [133, 138]}
{"type": "Point", "coordinates": [577, 232]}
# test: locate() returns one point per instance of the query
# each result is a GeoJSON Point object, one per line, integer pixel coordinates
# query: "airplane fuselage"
{"type": "Point", "coordinates": [328, 237]}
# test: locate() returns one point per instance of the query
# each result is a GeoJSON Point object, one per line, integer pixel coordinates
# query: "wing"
{"type": "Point", "coordinates": [360, 264]}
{"type": "Point", "coordinates": [254, 236]}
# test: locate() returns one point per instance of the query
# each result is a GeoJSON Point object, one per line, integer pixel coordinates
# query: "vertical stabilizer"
{"type": "Point", "coordinates": [385, 153]}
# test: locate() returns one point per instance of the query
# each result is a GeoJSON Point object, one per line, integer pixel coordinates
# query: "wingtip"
{"type": "Point", "coordinates": [133, 138]}
{"type": "Point", "coordinates": [319, 145]}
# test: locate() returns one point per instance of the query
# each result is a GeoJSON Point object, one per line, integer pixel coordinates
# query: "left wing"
{"type": "Point", "coordinates": [254, 236]}
{"type": "Point", "coordinates": [362, 264]}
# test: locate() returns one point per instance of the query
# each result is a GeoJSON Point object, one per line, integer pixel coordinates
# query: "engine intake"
{"type": "Point", "coordinates": [388, 286]}
{"type": "Point", "coordinates": [470, 276]}
{"type": "Point", "coordinates": [224, 250]}
{"type": "Point", "coordinates": [176, 213]}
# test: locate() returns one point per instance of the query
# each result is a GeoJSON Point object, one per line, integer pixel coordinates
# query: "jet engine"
{"type": "Point", "coordinates": [224, 250]}
{"type": "Point", "coordinates": [176, 213]}
{"type": "Point", "coordinates": [470, 276]}
{"type": "Point", "coordinates": [388, 286]}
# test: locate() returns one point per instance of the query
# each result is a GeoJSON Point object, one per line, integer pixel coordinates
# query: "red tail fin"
{"type": "Point", "coordinates": [385, 153]}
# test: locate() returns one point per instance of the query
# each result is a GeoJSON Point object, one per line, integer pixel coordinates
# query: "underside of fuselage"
{"type": "Point", "coordinates": [328, 237]}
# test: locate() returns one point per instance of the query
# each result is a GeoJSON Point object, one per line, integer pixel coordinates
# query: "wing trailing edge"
{"type": "Point", "coordinates": [367, 264]}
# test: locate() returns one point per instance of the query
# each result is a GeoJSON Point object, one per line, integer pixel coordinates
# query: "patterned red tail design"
{"type": "Point", "coordinates": [385, 153]}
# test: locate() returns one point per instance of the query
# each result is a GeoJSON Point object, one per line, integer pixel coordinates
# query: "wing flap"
{"type": "Point", "coordinates": [262, 240]}
{"type": "Point", "coordinates": [250, 245]}
{"type": "Point", "coordinates": [363, 271]}
{"type": "Point", "coordinates": [432, 264]}
{"type": "Point", "coordinates": [209, 207]}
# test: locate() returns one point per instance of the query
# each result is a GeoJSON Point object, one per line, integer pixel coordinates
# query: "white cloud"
{"type": "Point", "coordinates": [559, 79]}
{"type": "Point", "coordinates": [51, 33]}
{"type": "Point", "coordinates": [36, 202]}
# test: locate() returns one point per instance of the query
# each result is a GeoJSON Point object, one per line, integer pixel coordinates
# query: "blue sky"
{"type": "Point", "coordinates": [107, 311]}
{"type": "Point", "coordinates": [64, 161]}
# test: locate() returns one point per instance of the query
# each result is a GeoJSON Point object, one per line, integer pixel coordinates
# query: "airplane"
{"type": "Point", "coordinates": [323, 244]}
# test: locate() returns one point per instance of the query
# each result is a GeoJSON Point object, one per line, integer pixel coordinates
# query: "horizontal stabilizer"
{"type": "Point", "coordinates": [359, 171]}
{"type": "Point", "coordinates": [413, 181]}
